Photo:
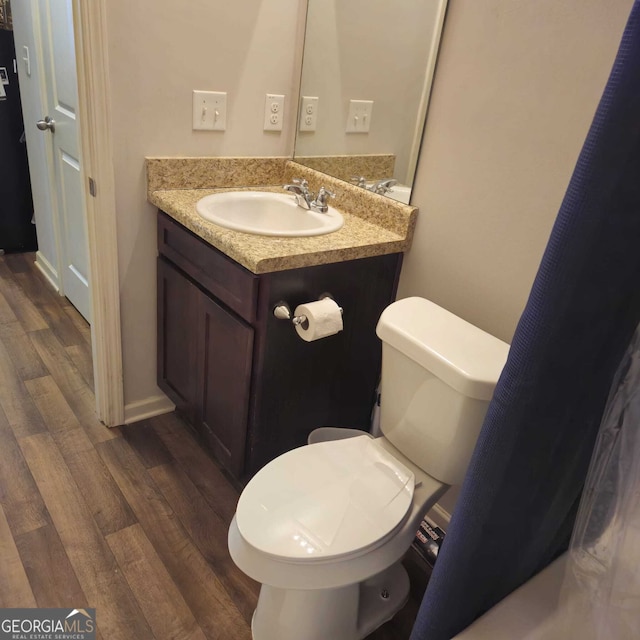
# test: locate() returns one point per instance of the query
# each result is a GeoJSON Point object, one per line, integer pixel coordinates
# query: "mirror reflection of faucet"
{"type": "Point", "coordinates": [376, 186]}
{"type": "Point", "coordinates": [383, 186]}
{"type": "Point", "coordinates": [306, 199]}
{"type": "Point", "coordinates": [359, 181]}
{"type": "Point", "coordinates": [387, 186]}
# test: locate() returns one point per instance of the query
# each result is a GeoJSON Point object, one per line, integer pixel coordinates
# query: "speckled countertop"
{"type": "Point", "coordinates": [373, 225]}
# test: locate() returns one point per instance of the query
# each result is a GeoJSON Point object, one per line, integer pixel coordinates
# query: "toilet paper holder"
{"type": "Point", "coordinates": [282, 311]}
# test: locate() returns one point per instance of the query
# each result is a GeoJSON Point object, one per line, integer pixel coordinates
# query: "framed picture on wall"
{"type": "Point", "coordinates": [5, 15]}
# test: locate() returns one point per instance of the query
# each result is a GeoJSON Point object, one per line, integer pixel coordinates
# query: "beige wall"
{"type": "Point", "coordinates": [159, 52]}
{"type": "Point", "coordinates": [515, 90]}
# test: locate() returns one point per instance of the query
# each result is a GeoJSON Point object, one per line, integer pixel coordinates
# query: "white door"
{"type": "Point", "coordinates": [60, 122]}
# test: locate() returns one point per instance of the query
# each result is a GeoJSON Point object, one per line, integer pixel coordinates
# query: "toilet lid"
{"type": "Point", "coordinates": [325, 500]}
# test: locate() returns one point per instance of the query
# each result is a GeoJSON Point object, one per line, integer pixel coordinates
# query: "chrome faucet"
{"type": "Point", "coordinates": [306, 199]}
{"type": "Point", "coordinates": [383, 186]}
{"type": "Point", "coordinates": [378, 186]}
{"type": "Point", "coordinates": [300, 188]}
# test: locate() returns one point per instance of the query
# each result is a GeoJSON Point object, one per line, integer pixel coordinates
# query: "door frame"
{"type": "Point", "coordinates": [92, 63]}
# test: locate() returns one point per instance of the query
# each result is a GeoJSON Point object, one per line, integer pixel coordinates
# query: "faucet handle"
{"type": "Point", "coordinates": [359, 181]}
{"type": "Point", "coordinates": [320, 203]}
{"type": "Point", "coordinates": [302, 182]}
{"type": "Point", "coordinates": [323, 194]}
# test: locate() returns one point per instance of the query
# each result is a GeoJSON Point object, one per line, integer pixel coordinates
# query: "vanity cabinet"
{"type": "Point", "coordinates": [244, 380]}
{"type": "Point", "coordinates": [178, 301]}
{"type": "Point", "coordinates": [204, 364]}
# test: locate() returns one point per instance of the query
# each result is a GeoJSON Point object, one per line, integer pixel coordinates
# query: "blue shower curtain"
{"type": "Point", "coordinates": [520, 495]}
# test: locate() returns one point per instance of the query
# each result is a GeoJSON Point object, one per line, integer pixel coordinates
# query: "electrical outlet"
{"type": "Point", "coordinates": [308, 113]}
{"type": "Point", "coordinates": [209, 110]}
{"type": "Point", "coordinates": [359, 119]}
{"type": "Point", "coordinates": [273, 112]}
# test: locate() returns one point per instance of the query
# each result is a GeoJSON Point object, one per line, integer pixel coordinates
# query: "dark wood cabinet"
{"type": "Point", "coordinates": [245, 381]}
{"type": "Point", "coordinates": [225, 353]}
{"type": "Point", "coordinates": [204, 364]}
{"type": "Point", "coordinates": [177, 350]}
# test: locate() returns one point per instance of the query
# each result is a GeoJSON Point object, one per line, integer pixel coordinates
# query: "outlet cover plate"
{"type": "Point", "coordinates": [308, 113]}
{"type": "Point", "coordinates": [273, 112]}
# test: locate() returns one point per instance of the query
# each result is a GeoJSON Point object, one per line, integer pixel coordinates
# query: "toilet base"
{"type": "Point", "coordinates": [346, 613]}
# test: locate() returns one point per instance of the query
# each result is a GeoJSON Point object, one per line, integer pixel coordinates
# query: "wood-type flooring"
{"type": "Point", "coordinates": [131, 521]}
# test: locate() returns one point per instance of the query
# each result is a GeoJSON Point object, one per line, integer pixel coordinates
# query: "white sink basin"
{"type": "Point", "coordinates": [267, 214]}
{"type": "Point", "coordinates": [400, 192]}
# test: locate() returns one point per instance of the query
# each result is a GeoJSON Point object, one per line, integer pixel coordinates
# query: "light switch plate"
{"type": "Point", "coordinates": [273, 112]}
{"type": "Point", "coordinates": [209, 110]}
{"type": "Point", "coordinates": [308, 113]}
{"type": "Point", "coordinates": [359, 119]}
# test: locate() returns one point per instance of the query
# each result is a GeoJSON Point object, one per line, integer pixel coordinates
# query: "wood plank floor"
{"type": "Point", "coordinates": [132, 521]}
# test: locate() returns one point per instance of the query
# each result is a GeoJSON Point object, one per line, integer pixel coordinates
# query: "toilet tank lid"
{"type": "Point", "coordinates": [459, 353]}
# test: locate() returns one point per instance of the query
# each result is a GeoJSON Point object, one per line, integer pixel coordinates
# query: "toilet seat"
{"type": "Point", "coordinates": [326, 501]}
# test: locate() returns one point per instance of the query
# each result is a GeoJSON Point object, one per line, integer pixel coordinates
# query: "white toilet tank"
{"type": "Point", "coordinates": [438, 376]}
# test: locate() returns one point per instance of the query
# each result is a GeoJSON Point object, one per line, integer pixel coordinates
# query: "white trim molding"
{"type": "Point", "coordinates": [421, 121]}
{"type": "Point", "coordinates": [47, 270]}
{"type": "Point", "coordinates": [148, 408]}
{"type": "Point", "coordinates": [90, 26]}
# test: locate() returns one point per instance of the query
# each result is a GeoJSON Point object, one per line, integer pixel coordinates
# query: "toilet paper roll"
{"type": "Point", "coordinates": [323, 319]}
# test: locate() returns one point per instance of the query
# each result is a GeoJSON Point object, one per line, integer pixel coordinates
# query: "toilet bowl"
{"type": "Point", "coordinates": [348, 497]}
{"type": "Point", "coordinates": [351, 581]}
{"type": "Point", "coordinates": [324, 527]}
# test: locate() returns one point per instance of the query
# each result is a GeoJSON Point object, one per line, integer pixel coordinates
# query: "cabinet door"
{"type": "Point", "coordinates": [177, 326]}
{"type": "Point", "coordinates": [225, 354]}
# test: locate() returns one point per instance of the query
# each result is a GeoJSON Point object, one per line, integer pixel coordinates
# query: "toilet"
{"type": "Point", "coordinates": [324, 527]}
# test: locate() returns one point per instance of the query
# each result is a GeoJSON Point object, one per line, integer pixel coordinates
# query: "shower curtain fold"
{"type": "Point", "coordinates": [519, 499]}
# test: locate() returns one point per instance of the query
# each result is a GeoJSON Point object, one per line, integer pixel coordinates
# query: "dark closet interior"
{"type": "Point", "coordinates": [17, 232]}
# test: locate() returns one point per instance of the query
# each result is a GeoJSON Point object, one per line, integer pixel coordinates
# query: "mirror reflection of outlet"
{"type": "Point", "coordinates": [308, 113]}
{"type": "Point", "coordinates": [359, 119]}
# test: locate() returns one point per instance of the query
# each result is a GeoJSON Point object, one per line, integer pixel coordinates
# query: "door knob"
{"type": "Point", "coordinates": [47, 123]}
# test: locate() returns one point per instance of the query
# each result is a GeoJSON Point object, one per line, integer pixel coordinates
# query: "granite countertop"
{"type": "Point", "coordinates": [377, 230]}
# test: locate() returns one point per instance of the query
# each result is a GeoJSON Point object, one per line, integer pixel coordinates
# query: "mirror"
{"type": "Point", "coordinates": [366, 78]}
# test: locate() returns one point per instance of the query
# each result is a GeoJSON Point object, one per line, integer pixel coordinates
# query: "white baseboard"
{"type": "Point", "coordinates": [47, 270]}
{"type": "Point", "coordinates": [148, 408]}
